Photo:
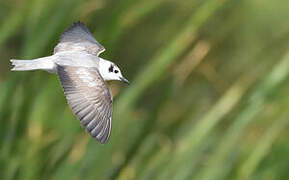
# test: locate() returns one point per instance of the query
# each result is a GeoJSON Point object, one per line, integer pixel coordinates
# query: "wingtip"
{"type": "Point", "coordinates": [104, 135]}
{"type": "Point", "coordinates": [78, 23]}
{"type": "Point", "coordinates": [73, 26]}
{"type": "Point", "coordinates": [103, 141]}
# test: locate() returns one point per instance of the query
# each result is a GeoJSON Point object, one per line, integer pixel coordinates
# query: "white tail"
{"type": "Point", "coordinates": [38, 64]}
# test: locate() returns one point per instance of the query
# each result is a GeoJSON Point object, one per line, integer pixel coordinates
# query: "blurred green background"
{"type": "Point", "coordinates": [208, 97]}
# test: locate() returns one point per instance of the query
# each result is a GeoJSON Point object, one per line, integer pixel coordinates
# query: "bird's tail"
{"type": "Point", "coordinates": [29, 65]}
{"type": "Point", "coordinates": [23, 65]}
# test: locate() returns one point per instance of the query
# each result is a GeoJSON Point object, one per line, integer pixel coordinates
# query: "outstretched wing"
{"type": "Point", "coordinates": [77, 37]}
{"type": "Point", "coordinates": [89, 98]}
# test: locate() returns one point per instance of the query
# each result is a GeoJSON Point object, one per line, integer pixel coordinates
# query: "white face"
{"type": "Point", "coordinates": [109, 71]}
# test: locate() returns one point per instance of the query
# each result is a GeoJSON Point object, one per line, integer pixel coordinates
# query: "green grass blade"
{"type": "Point", "coordinates": [279, 73]}
{"type": "Point", "coordinates": [262, 148]}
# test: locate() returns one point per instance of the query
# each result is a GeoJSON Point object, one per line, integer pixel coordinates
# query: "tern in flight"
{"type": "Point", "coordinates": [82, 74]}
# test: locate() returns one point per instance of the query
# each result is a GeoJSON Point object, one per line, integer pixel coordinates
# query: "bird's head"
{"type": "Point", "coordinates": [109, 71]}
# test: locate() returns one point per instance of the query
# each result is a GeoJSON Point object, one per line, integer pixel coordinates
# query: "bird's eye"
{"type": "Point", "coordinates": [115, 71]}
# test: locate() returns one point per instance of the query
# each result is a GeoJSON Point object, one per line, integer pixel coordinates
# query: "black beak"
{"type": "Point", "coordinates": [124, 80]}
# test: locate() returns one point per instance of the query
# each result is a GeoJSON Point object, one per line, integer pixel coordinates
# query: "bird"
{"type": "Point", "coordinates": [83, 76]}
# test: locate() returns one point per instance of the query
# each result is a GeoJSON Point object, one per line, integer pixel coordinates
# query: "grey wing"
{"type": "Point", "coordinates": [89, 98]}
{"type": "Point", "coordinates": [78, 37]}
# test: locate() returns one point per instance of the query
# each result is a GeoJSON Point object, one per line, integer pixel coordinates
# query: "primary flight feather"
{"type": "Point", "coordinates": [82, 74]}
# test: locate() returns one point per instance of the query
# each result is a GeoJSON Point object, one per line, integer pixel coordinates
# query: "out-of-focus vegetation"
{"type": "Point", "coordinates": [208, 99]}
